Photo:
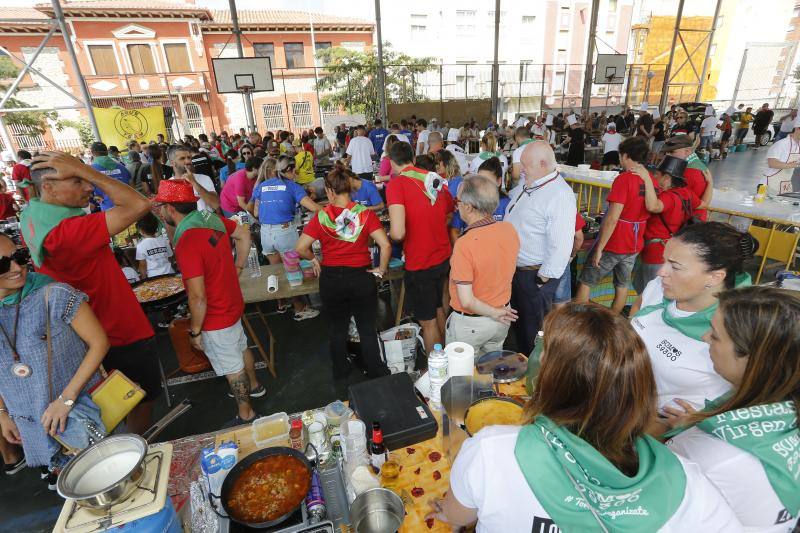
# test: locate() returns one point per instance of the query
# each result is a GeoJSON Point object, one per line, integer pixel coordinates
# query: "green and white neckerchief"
{"type": "Point", "coordinates": [347, 225]}
{"type": "Point", "coordinates": [38, 220]}
{"type": "Point", "coordinates": [581, 489]}
{"type": "Point", "coordinates": [488, 155]}
{"type": "Point", "coordinates": [695, 162]}
{"type": "Point", "coordinates": [526, 141]}
{"type": "Point", "coordinates": [695, 325]}
{"type": "Point", "coordinates": [770, 433]}
{"type": "Point", "coordinates": [198, 219]}
{"type": "Point", "coordinates": [430, 182]}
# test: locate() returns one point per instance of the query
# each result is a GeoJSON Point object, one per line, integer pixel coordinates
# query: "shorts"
{"type": "Point", "coordinates": [564, 289]}
{"type": "Point", "coordinates": [610, 158]}
{"type": "Point", "coordinates": [224, 348]}
{"type": "Point", "coordinates": [139, 362]}
{"type": "Point", "coordinates": [725, 136]}
{"type": "Point", "coordinates": [657, 145]}
{"type": "Point", "coordinates": [278, 238]}
{"type": "Point", "coordinates": [621, 264]}
{"type": "Point", "coordinates": [706, 141]}
{"type": "Point", "coordinates": [424, 290]}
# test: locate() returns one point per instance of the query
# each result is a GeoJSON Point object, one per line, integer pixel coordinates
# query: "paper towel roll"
{"type": "Point", "coordinates": [460, 359]}
{"type": "Point", "coordinates": [272, 283]}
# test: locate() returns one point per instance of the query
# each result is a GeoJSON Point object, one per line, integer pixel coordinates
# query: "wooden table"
{"type": "Point", "coordinates": [254, 291]}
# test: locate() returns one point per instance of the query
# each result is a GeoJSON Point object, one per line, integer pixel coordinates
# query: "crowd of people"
{"type": "Point", "coordinates": [682, 416]}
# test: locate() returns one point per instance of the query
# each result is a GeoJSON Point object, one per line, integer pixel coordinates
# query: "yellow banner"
{"type": "Point", "coordinates": [119, 126]}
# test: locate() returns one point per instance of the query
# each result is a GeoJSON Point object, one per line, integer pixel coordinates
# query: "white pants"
{"type": "Point", "coordinates": [483, 333]}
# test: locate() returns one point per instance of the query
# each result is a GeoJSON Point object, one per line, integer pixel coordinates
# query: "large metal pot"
{"type": "Point", "coordinates": [105, 473]}
{"type": "Point", "coordinates": [377, 511]}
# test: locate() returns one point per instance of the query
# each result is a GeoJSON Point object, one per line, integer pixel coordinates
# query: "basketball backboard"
{"type": "Point", "coordinates": [240, 74]}
{"type": "Point", "coordinates": [610, 69]}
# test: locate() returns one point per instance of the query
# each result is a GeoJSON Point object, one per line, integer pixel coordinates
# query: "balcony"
{"type": "Point", "coordinates": [147, 85]}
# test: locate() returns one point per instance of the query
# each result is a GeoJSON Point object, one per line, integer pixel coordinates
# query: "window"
{"type": "Point", "coordinates": [612, 5]}
{"type": "Point", "coordinates": [301, 115]}
{"type": "Point", "coordinates": [491, 15]}
{"type": "Point", "coordinates": [465, 29]}
{"type": "Point", "coordinates": [612, 20]}
{"type": "Point", "coordinates": [177, 57]}
{"type": "Point", "coordinates": [796, 12]}
{"type": "Point", "coordinates": [601, 89]}
{"type": "Point", "coordinates": [461, 79]}
{"type": "Point", "coordinates": [420, 17]}
{"type": "Point", "coordinates": [529, 19]}
{"type": "Point", "coordinates": [610, 34]}
{"type": "Point", "coordinates": [194, 118]}
{"type": "Point", "coordinates": [141, 59]}
{"type": "Point", "coordinates": [294, 55]}
{"type": "Point", "coordinates": [712, 50]}
{"type": "Point", "coordinates": [563, 39]}
{"type": "Point", "coordinates": [356, 46]}
{"type": "Point", "coordinates": [416, 29]}
{"type": "Point", "coordinates": [564, 16]}
{"type": "Point", "coordinates": [561, 57]}
{"type": "Point", "coordinates": [103, 59]}
{"type": "Point", "coordinates": [720, 20]}
{"type": "Point", "coordinates": [273, 116]}
{"type": "Point", "coordinates": [317, 48]}
{"type": "Point", "coordinates": [265, 50]}
{"type": "Point", "coordinates": [464, 13]}
{"type": "Point", "coordinates": [558, 83]}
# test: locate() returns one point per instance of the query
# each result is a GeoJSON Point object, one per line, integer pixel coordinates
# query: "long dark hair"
{"type": "Point", "coordinates": [720, 246]}
{"type": "Point", "coordinates": [156, 171]}
{"type": "Point", "coordinates": [230, 155]}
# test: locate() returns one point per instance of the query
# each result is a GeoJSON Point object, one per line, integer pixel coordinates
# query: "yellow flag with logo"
{"type": "Point", "coordinates": [119, 126]}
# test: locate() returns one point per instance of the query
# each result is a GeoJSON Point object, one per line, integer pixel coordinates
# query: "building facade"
{"type": "Point", "coordinates": [149, 53]}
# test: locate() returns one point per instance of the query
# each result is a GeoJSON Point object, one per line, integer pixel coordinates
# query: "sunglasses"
{"type": "Point", "coordinates": [20, 257]}
{"type": "Point", "coordinates": [247, 153]}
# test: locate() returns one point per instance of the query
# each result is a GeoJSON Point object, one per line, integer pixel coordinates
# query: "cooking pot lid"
{"type": "Point", "coordinates": [505, 366]}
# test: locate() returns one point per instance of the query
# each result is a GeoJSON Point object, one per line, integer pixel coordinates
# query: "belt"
{"type": "Point", "coordinates": [462, 313]}
{"type": "Point", "coordinates": [283, 225]}
{"type": "Point", "coordinates": [532, 268]}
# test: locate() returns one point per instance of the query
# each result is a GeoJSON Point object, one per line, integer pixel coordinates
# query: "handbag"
{"type": "Point", "coordinates": [116, 395]}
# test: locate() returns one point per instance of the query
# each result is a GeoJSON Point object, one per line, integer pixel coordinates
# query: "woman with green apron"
{"type": "Point", "coordinates": [582, 461]}
{"type": "Point", "coordinates": [674, 311]}
{"type": "Point", "coordinates": [748, 443]}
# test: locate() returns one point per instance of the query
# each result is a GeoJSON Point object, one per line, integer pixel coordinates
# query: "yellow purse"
{"type": "Point", "coordinates": [116, 396]}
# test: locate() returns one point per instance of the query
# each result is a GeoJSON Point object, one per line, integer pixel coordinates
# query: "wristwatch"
{"type": "Point", "coordinates": [539, 280]}
{"type": "Point", "coordinates": [68, 403]}
{"type": "Point", "coordinates": [194, 335]}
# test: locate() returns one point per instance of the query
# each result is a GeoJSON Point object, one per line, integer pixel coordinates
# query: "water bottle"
{"type": "Point", "coordinates": [252, 262]}
{"type": "Point", "coordinates": [437, 372]}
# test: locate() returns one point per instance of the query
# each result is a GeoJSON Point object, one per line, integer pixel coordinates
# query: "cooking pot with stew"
{"type": "Point", "coordinates": [266, 487]}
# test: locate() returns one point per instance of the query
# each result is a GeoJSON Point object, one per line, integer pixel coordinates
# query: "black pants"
{"type": "Point", "coordinates": [532, 304]}
{"type": "Point", "coordinates": [346, 292]}
{"type": "Point", "coordinates": [369, 176]}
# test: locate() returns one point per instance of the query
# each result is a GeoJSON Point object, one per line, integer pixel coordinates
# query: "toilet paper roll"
{"type": "Point", "coordinates": [460, 359]}
{"type": "Point", "coordinates": [272, 283]}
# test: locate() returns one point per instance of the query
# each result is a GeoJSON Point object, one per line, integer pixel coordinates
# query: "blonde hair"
{"type": "Point", "coordinates": [489, 141]}
{"type": "Point", "coordinates": [267, 169]}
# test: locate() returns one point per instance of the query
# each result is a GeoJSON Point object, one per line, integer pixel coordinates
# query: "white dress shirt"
{"type": "Point", "coordinates": [544, 217]}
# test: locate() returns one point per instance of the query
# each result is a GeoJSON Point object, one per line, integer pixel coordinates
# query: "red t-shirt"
{"type": "Point", "coordinates": [580, 223]}
{"type": "Point", "coordinates": [78, 252]}
{"type": "Point", "coordinates": [336, 252]}
{"type": "Point", "coordinates": [427, 242]}
{"type": "Point", "coordinates": [696, 182]}
{"type": "Point", "coordinates": [20, 172]}
{"type": "Point", "coordinates": [677, 203]}
{"type": "Point", "coordinates": [628, 236]}
{"type": "Point", "coordinates": [204, 252]}
{"type": "Point", "coordinates": [7, 206]}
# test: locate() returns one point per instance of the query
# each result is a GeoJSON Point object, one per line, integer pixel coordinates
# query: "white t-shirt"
{"type": "Point", "coordinates": [422, 138]}
{"type": "Point", "coordinates": [486, 476]}
{"type": "Point", "coordinates": [787, 125]}
{"type": "Point", "coordinates": [206, 183]}
{"type": "Point", "coordinates": [516, 155]}
{"type": "Point", "coordinates": [130, 274]}
{"type": "Point", "coordinates": [156, 251]}
{"type": "Point", "coordinates": [461, 157]}
{"type": "Point", "coordinates": [400, 137]}
{"type": "Point", "coordinates": [682, 365]}
{"type": "Point", "coordinates": [781, 150]}
{"type": "Point", "coordinates": [477, 162]}
{"type": "Point", "coordinates": [452, 135]}
{"type": "Point", "coordinates": [786, 150]}
{"type": "Point", "coordinates": [361, 150]}
{"type": "Point", "coordinates": [538, 129]}
{"type": "Point", "coordinates": [708, 126]}
{"type": "Point", "coordinates": [321, 145]}
{"type": "Point", "coordinates": [739, 476]}
{"type": "Point", "coordinates": [611, 142]}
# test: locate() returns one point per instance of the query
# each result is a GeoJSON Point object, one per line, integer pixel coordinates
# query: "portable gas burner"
{"type": "Point", "coordinates": [148, 499]}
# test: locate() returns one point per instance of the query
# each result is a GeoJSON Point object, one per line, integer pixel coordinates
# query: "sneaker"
{"type": "Point", "coordinates": [52, 479]}
{"type": "Point", "coordinates": [283, 308]}
{"type": "Point", "coordinates": [44, 471]}
{"type": "Point", "coordinates": [16, 467]}
{"type": "Point", "coordinates": [163, 325]}
{"type": "Point", "coordinates": [256, 393]}
{"type": "Point", "coordinates": [305, 314]}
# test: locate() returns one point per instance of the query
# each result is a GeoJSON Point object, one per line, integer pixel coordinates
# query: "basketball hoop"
{"type": "Point", "coordinates": [244, 83]}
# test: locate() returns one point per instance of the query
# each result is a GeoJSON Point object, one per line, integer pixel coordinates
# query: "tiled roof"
{"type": "Point", "coordinates": [119, 8]}
{"type": "Point", "coordinates": [21, 13]}
{"type": "Point", "coordinates": [263, 17]}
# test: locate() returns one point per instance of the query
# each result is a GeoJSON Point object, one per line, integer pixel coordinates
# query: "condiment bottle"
{"type": "Point", "coordinates": [296, 434]}
{"type": "Point", "coordinates": [377, 450]}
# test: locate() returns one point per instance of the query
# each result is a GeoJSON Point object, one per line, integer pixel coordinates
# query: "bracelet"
{"type": "Point", "coordinates": [3, 410]}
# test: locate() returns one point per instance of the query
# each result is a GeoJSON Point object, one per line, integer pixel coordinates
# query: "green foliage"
{"type": "Point", "coordinates": [35, 121]}
{"type": "Point", "coordinates": [350, 78]}
{"type": "Point", "coordinates": [84, 129]}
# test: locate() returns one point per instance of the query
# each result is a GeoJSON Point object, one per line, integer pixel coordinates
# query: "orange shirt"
{"type": "Point", "coordinates": [486, 257]}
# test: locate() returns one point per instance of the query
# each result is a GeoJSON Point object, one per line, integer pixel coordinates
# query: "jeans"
{"type": "Point", "coordinates": [781, 135]}
{"type": "Point", "coordinates": [483, 333]}
{"type": "Point", "coordinates": [345, 292]}
{"type": "Point", "coordinates": [532, 304]}
{"type": "Point", "coordinates": [706, 141]}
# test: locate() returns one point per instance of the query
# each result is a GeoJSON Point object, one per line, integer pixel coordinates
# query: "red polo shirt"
{"type": "Point", "coordinates": [628, 236]}
{"type": "Point", "coordinates": [679, 203]}
{"type": "Point", "coordinates": [696, 182]}
{"type": "Point", "coordinates": [427, 242]}
{"type": "Point", "coordinates": [78, 252]}
{"type": "Point", "coordinates": [336, 252]}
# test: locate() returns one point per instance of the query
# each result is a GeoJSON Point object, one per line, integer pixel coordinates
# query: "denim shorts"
{"type": "Point", "coordinates": [224, 349]}
{"type": "Point", "coordinates": [620, 264]}
{"type": "Point", "coordinates": [278, 238]}
{"type": "Point", "coordinates": [564, 289]}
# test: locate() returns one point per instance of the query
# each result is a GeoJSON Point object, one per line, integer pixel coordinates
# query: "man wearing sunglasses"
{"type": "Point", "coordinates": [72, 247]}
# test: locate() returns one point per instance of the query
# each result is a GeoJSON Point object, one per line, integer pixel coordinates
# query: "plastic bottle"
{"type": "Point", "coordinates": [437, 372]}
{"type": "Point", "coordinates": [296, 434]}
{"type": "Point", "coordinates": [252, 262]}
{"type": "Point", "coordinates": [761, 193]}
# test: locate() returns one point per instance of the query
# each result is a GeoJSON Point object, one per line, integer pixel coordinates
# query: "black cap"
{"type": "Point", "coordinates": [99, 148]}
{"type": "Point", "coordinates": [674, 166]}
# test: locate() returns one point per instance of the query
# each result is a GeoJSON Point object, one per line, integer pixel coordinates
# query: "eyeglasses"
{"type": "Point", "coordinates": [20, 257]}
{"type": "Point", "coordinates": [247, 153]}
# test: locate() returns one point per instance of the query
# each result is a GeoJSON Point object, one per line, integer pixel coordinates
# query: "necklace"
{"type": "Point", "coordinates": [527, 191]}
{"type": "Point", "coordinates": [18, 369]}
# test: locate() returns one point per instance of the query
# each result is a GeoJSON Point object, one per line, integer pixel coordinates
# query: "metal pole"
{"type": "Point", "coordinates": [6, 137]}
{"type": "Point", "coordinates": [314, 58]}
{"type": "Point", "coordinates": [31, 61]}
{"type": "Point", "coordinates": [495, 65]}
{"type": "Point", "coordinates": [519, 95]}
{"type": "Point", "coordinates": [237, 32]}
{"type": "Point", "coordinates": [466, 89]}
{"type": "Point", "coordinates": [665, 87]}
{"type": "Point", "coordinates": [739, 77]}
{"type": "Point", "coordinates": [563, 89]}
{"type": "Point", "coordinates": [647, 85]}
{"type": "Point", "coordinates": [87, 99]}
{"type": "Point", "coordinates": [541, 98]}
{"type": "Point", "coordinates": [587, 74]}
{"type": "Point", "coordinates": [708, 50]}
{"type": "Point", "coordinates": [381, 77]}
{"type": "Point", "coordinates": [441, 94]}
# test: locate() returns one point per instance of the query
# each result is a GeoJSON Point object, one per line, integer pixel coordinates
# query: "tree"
{"type": "Point", "coordinates": [350, 78]}
{"type": "Point", "coordinates": [83, 128]}
{"type": "Point", "coordinates": [34, 121]}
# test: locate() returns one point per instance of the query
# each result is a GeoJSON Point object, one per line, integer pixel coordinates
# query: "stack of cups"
{"type": "Point", "coordinates": [291, 263]}
{"type": "Point", "coordinates": [354, 441]}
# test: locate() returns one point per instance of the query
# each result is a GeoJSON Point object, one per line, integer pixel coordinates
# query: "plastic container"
{"type": "Point", "coordinates": [295, 278]}
{"type": "Point", "coordinates": [354, 441]}
{"type": "Point", "coordinates": [437, 370]}
{"type": "Point", "coordinates": [336, 413]}
{"type": "Point", "coordinates": [272, 430]}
